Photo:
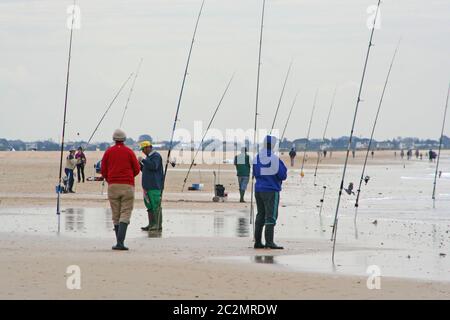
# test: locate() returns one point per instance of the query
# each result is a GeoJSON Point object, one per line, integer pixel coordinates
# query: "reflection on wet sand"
{"type": "Point", "coordinates": [264, 259]}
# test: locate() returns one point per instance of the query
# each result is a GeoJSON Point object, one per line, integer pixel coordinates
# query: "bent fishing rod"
{"type": "Point", "coordinates": [59, 187]}
{"type": "Point", "coordinates": [324, 133]}
{"type": "Point", "coordinates": [108, 108]}
{"type": "Point", "coordinates": [130, 93]}
{"type": "Point", "coordinates": [440, 147]}
{"type": "Point", "coordinates": [302, 174]}
{"type": "Point", "coordinates": [358, 193]}
{"type": "Point", "coordinates": [289, 116]}
{"type": "Point", "coordinates": [207, 129]}
{"type": "Point", "coordinates": [255, 144]}
{"type": "Point", "coordinates": [180, 98]}
{"type": "Point", "coordinates": [281, 97]}
{"type": "Point", "coordinates": [350, 140]}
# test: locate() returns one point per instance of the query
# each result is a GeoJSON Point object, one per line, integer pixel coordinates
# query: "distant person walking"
{"type": "Point", "coordinates": [292, 155]}
{"type": "Point", "coordinates": [71, 164]}
{"type": "Point", "coordinates": [152, 184]}
{"type": "Point", "coordinates": [81, 163]}
{"type": "Point", "coordinates": [373, 154]}
{"type": "Point", "coordinates": [269, 172]}
{"type": "Point", "coordinates": [353, 153]}
{"type": "Point", "coordinates": [402, 153]}
{"type": "Point", "coordinates": [417, 153]}
{"type": "Point", "coordinates": [242, 164]}
{"type": "Point", "coordinates": [119, 168]}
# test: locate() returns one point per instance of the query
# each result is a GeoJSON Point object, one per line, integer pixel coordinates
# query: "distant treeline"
{"type": "Point", "coordinates": [298, 144]}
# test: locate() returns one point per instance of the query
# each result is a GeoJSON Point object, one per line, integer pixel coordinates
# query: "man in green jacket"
{"type": "Point", "coordinates": [242, 164]}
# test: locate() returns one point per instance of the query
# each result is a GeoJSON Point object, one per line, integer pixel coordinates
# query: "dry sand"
{"type": "Point", "coordinates": [198, 263]}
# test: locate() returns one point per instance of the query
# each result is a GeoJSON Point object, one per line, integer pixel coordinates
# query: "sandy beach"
{"type": "Point", "coordinates": [205, 250]}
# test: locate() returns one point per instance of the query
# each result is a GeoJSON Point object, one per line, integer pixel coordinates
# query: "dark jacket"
{"type": "Point", "coordinates": [269, 172]}
{"type": "Point", "coordinates": [242, 164]}
{"type": "Point", "coordinates": [292, 153]}
{"type": "Point", "coordinates": [152, 172]}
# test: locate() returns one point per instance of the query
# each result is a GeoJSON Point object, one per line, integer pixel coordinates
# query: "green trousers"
{"type": "Point", "coordinates": [152, 200]}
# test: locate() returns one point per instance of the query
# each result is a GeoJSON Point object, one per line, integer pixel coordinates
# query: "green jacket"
{"type": "Point", "coordinates": [242, 164]}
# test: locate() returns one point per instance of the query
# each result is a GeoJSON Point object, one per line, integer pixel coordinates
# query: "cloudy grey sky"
{"type": "Point", "coordinates": [326, 38]}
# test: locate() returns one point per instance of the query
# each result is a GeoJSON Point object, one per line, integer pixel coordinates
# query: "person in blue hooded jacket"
{"type": "Point", "coordinates": [269, 172]}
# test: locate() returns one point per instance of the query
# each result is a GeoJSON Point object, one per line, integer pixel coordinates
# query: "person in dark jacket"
{"type": "Point", "coordinates": [152, 184]}
{"type": "Point", "coordinates": [119, 168]}
{"type": "Point", "coordinates": [81, 163]}
{"type": "Point", "coordinates": [269, 172]}
{"type": "Point", "coordinates": [242, 164]}
{"type": "Point", "coordinates": [292, 155]}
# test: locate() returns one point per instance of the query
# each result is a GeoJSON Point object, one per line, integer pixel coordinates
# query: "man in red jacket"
{"type": "Point", "coordinates": [119, 167]}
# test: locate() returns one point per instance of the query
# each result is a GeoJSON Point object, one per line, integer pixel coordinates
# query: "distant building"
{"type": "Point", "coordinates": [31, 146]}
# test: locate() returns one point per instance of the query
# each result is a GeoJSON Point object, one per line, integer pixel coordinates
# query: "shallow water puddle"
{"type": "Point", "coordinates": [390, 263]}
{"type": "Point", "coordinates": [96, 222]}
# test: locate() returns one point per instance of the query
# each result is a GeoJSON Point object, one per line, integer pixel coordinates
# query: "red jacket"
{"type": "Point", "coordinates": [120, 165]}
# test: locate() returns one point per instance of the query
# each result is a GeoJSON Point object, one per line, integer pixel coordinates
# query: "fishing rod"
{"type": "Point", "coordinates": [179, 99]}
{"type": "Point", "coordinates": [59, 187]}
{"type": "Point", "coordinates": [302, 174]}
{"type": "Point", "coordinates": [281, 96]}
{"type": "Point", "coordinates": [107, 109]}
{"type": "Point", "coordinates": [373, 130]}
{"type": "Point", "coordinates": [207, 129]}
{"type": "Point", "coordinates": [325, 133]}
{"type": "Point", "coordinates": [323, 199]}
{"type": "Point", "coordinates": [439, 152]}
{"type": "Point", "coordinates": [255, 144]}
{"type": "Point", "coordinates": [289, 116]}
{"type": "Point", "coordinates": [350, 140]}
{"type": "Point", "coordinates": [131, 92]}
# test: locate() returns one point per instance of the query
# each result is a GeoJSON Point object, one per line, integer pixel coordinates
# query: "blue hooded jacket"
{"type": "Point", "coordinates": [268, 169]}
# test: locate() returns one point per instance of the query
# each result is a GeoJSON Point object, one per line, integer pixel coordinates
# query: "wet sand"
{"type": "Point", "coordinates": [205, 250]}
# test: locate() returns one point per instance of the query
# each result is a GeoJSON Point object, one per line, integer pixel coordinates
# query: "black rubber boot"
{"type": "Point", "coordinates": [116, 230]}
{"type": "Point", "coordinates": [258, 236]}
{"type": "Point", "coordinates": [156, 226]}
{"type": "Point", "coordinates": [122, 232]}
{"type": "Point", "coordinates": [149, 221]}
{"type": "Point", "coordinates": [269, 233]}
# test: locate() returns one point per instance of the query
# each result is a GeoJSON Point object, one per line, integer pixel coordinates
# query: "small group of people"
{"type": "Point", "coordinates": [119, 167]}
{"type": "Point", "coordinates": [432, 155]}
{"type": "Point", "coordinates": [75, 159]}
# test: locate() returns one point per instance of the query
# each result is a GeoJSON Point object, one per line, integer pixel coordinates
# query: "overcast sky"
{"type": "Point", "coordinates": [326, 38]}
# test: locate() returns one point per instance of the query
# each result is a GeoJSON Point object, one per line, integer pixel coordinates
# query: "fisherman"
{"type": "Point", "coordinates": [81, 163]}
{"type": "Point", "coordinates": [71, 164]}
{"type": "Point", "coordinates": [152, 185]}
{"type": "Point", "coordinates": [242, 164]}
{"type": "Point", "coordinates": [292, 155]}
{"type": "Point", "coordinates": [269, 172]}
{"type": "Point", "coordinates": [119, 168]}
